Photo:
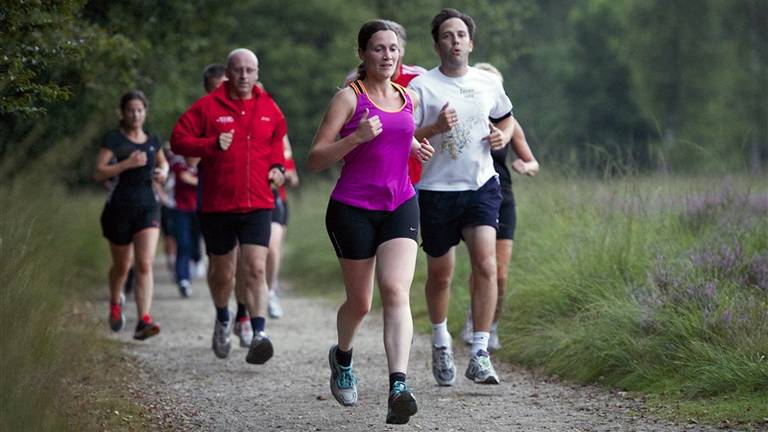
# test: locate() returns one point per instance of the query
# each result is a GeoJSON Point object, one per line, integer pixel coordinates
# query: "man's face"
{"type": "Point", "coordinates": [242, 73]}
{"type": "Point", "coordinates": [453, 43]}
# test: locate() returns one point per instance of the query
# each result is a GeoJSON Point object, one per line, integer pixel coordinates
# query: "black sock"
{"type": "Point", "coordinates": [222, 314]}
{"type": "Point", "coordinates": [241, 312]}
{"type": "Point", "coordinates": [258, 324]}
{"type": "Point", "coordinates": [397, 376]}
{"type": "Point", "coordinates": [344, 358]}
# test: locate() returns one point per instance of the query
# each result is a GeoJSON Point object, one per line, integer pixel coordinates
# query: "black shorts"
{"type": "Point", "coordinates": [507, 217]}
{"type": "Point", "coordinates": [356, 233]}
{"type": "Point", "coordinates": [222, 231]}
{"type": "Point", "coordinates": [280, 212]}
{"type": "Point", "coordinates": [120, 223]}
{"type": "Point", "coordinates": [445, 214]}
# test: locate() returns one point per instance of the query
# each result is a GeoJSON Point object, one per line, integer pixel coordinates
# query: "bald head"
{"type": "Point", "coordinates": [242, 73]}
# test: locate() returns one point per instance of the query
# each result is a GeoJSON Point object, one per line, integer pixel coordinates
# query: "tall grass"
{"type": "Point", "coordinates": [50, 257]}
{"type": "Point", "coordinates": [657, 285]}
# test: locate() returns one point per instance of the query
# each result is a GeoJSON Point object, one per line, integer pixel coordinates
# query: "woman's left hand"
{"type": "Point", "coordinates": [423, 150]}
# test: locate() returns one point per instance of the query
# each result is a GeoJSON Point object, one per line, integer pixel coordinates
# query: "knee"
{"type": "Point", "coordinates": [486, 268]}
{"type": "Point", "coordinates": [358, 307]}
{"type": "Point", "coordinates": [121, 268]}
{"type": "Point", "coordinates": [143, 266]}
{"type": "Point", "coordinates": [254, 272]}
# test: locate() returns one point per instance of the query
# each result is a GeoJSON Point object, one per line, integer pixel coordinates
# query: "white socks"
{"type": "Point", "coordinates": [440, 335]}
{"type": "Point", "coordinates": [480, 341]}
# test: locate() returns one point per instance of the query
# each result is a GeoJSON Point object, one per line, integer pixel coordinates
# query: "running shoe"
{"type": "Point", "coordinates": [401, 404]}
{"type": "Point", "coordinates": [443, 368]}
{"type": "Point", "coordinates": [116, 317]}
{"type": "Point", "coordinates": [221, 343]}
{"type": "Point", "coordinates": [244, 331]}
{"type": "Point", "coordinates": [185, 288]}
{"type": "Point", "coordinates": [480, 369]}
{"type": "Point", "coordinates": [468, 331]}
{"type": "Point", "coordinates": [273, 306]}
{"type": "Point", "coordinates": [343, 380]}
{"type": "Point", "coordinates": [261, 349]}
{"type": "Point", "coordinates": [146, 329]}
{"type": "Point", "coordinates": [493, 341]}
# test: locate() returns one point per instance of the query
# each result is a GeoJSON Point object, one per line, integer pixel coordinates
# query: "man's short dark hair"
{"type": "Point", "coordinates": [215, 70]}
{"type": "Point", "coordinates": [447, 14]}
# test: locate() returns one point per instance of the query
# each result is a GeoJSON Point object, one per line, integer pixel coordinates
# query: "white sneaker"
{"type": "Point", "coordinates": [273, 307]}
{"type": "Point", "coordinates": [221, 344]}
{"type": "Point", "coordinates": [480, 369]}
{"type": "Point", "coordinates": [468, 331]}
{"type": "Point", "coordinates": [244, 331]}
{"type": "Point", "coordinates": [443, 368]}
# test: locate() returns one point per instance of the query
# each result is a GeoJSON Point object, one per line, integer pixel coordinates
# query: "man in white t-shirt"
{"type": "Point", "coordinates": [464, 113]}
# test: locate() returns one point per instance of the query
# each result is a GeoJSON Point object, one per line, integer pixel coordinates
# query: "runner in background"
{"type": "Point", "coordinates": [130, 220]}
{"type": "Point", "coordinates": [237, 130]}
{"type": "Point", "coordinates": [279, 226]}
{"type": "Point", "coordinates": [524, 163]}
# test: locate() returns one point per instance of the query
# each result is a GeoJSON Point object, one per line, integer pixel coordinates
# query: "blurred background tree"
{"type": "Point", "coordinates": [598, 85]}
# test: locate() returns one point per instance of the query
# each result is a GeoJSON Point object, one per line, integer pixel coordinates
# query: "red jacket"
{"type": "Point", "coordinates": [234, 180]}
{"type": "Point", "coordinates": [406, 74]}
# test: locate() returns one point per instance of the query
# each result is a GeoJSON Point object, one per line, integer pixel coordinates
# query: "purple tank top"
{"type": "Point", "coordinates": [375, 174]}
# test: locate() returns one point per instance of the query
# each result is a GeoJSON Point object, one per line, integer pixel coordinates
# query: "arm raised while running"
{"type": "Point", "coordinates": [106, 170]}
{"type": "Point", "coordinates": [327, 149]}
{"type": "Point", "coordinates": [525, 163]}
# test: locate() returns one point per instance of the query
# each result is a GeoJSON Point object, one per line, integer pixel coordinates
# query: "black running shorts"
{"type": "Point", "coordinates": [356, 233]}
{"type": "Point", "coordinates": [120, 223]}
{"type": "Point", "coordinates": [222, 231]}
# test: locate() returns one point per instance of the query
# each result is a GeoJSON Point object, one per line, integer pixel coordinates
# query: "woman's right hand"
{"type": "Point", "coordinates": [368, 128]}
{"type": "Point", "coordinates": [137, 159]}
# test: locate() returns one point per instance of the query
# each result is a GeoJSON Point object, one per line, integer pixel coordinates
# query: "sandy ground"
{"type": "Point", "coordinates": [186, 387]}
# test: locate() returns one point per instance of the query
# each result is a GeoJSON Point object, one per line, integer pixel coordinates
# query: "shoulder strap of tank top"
{"type": "Point", "coordinates": [357, 87]}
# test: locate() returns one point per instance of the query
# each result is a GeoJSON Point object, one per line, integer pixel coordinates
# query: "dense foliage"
{"type": "Point", "coordinates": [596, 83]}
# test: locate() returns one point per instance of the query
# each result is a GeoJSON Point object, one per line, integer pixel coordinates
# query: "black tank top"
{"type": "Point", "coordinates": [500, 165]}
{"type": "Point", "coordinates": [133, 187]}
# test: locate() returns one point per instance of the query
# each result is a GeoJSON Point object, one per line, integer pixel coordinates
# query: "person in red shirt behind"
{"type": "Point", "coordinates": [237, 130]}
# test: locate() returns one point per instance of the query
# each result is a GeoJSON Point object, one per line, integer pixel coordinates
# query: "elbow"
{"type": "Point", "coordinates": [314, 165]}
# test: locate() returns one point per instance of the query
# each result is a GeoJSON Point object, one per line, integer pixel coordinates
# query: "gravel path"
{"type": "Point", "coordinates": [186, 387]}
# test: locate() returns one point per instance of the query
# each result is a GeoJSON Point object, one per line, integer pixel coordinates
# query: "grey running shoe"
{"type": "Point", "coordinates": [468, 331]}
{"type": "Point", "coordinates": [244, 331]}
{"type": "Point", "coordinates": [116, 317]}
{"type": "Point", "coordinates": [442, 365]}
{"type": "Point", "coordinates": [261, 349]}
{"type": "Point", "coordinates": [401, 404]}
{"type": "Point", "coordinates": [343, 380]}
{"type": "Point", "coordinates": [493, 341]}
{"type": "Point", "coordinates": [273, 306]}
{"type": "Point", "coordinates": [480, 369]}
{"type": "Point", "coordinates": [221, 343]}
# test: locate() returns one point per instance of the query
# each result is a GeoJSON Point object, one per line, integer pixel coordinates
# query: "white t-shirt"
{"type": "Point", "coordinates": [462, 159]}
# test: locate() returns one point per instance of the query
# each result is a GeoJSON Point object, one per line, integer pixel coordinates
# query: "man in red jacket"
{"type": "Point", "coordinates": [238, 132]}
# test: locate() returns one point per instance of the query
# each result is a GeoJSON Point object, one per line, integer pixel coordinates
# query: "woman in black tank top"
{"type": "Point", "coordinates": [130, 221]}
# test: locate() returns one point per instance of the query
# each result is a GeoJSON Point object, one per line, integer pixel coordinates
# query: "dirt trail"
{"type": "Point", "coordinates": [187, 388]}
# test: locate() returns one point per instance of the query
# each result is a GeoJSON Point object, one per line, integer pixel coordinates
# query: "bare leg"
{"type": "Point", "coordinates": [122, 259]}
{"type": "Point", "coordinates": [358, 284]}
{"type": "Point", "coordinates": [253, 261]}
{"type": "Point", "coordinates": [144, 245]}
{"type": "Point", "coordinates": [438, 286]}
{"type": "Point", "coordinates": [396, 262]}
{"type": "Point", "coordinates": [481, 243]}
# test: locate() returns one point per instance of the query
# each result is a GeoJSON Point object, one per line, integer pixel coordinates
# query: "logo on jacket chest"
{"type": "Point", "coordinates": [225, 119]}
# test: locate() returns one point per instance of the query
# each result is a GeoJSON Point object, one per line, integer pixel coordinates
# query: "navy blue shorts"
{"type": "Point", "coordinates": [356, 233]}
{"type": "Point", "coordinates": [507, 217]}
{"type": "Point", "coordinates": [280, 212]}
{"type": "Point", "coordinates": [445, 214]}
{"type": "Point", "coordinates": [222, 231]}
{"type": "Point", "coordinates": [120, 223]}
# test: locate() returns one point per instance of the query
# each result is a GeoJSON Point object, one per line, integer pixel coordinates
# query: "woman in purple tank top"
{"type": "Point", "coordinates": [373, 217]}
